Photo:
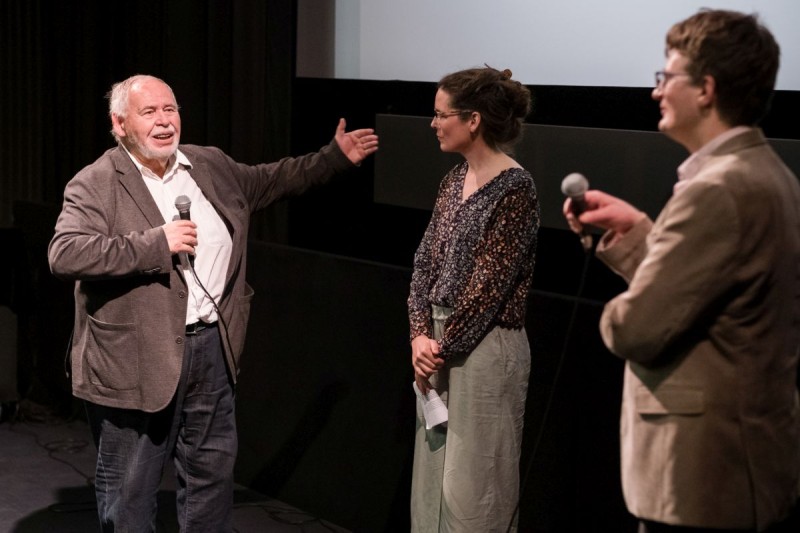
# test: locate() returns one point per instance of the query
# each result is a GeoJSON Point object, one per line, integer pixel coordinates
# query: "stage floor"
{"type": "Point", "coordinates": [46, 471]}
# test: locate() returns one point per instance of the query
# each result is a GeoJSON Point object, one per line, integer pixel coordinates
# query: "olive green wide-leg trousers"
{"type": "Point", "coordinates": [466, 473]}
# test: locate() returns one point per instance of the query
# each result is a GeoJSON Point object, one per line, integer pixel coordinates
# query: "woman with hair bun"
{"type": "Point", "coordinates": [467, 304]}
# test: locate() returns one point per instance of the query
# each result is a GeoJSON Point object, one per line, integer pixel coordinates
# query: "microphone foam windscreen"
{"type": "Point", "coordinates": [574, 184]}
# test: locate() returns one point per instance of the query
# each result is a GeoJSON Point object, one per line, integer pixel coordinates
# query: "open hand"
{"type": "Point", "coordinates": [357, 144]}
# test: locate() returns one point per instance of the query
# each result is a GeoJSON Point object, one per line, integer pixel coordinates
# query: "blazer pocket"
{"type": "Point", "coordinates": [670, 401]}
{"type": "Point", "coordinates": [113, 355]}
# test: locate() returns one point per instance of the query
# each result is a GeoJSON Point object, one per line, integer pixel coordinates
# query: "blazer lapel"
{"type": "Point", "coordinates": [131, 179]}
{"type": "Point", "coordinates": [202, 177]}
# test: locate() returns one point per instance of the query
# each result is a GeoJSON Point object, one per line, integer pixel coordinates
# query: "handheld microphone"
{"type": "Point", "coordinates": [182, 204]}
{"type": "Point", "coordinates": [575, 186]}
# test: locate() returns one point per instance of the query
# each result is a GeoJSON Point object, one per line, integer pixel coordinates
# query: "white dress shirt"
{"type": "Point", "coordinates": [214, 245]}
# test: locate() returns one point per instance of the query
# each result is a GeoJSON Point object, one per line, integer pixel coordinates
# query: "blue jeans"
{"type": "Point", "coordinates": [197, 430]}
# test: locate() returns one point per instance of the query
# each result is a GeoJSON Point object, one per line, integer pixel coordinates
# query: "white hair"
{"type": "Point", "coordinates": [119, 93]}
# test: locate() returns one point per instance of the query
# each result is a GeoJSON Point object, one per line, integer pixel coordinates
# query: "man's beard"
{"type": "Point", "coordinates": [154, 153]}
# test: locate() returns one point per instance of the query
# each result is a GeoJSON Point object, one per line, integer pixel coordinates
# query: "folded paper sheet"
{"type": "Point", "coordinates": [433, 408]}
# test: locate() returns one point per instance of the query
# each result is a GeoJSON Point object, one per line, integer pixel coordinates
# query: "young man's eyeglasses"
{"type": "Point", "coordinates": [662, 77]}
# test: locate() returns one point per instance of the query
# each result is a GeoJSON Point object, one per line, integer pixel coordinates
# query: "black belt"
{"type": "Point", "coordinates": [197, 327]}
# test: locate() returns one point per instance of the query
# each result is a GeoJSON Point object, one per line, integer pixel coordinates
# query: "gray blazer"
{"type": "Point", "coordinates": [710, 423]}
{"type": "Point", "coordinates": [130, 299]}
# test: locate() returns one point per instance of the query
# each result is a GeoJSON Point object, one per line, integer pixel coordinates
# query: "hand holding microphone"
{"type": "Point", "coordinates": [596, 208]}
{"type": "Point", "coordinates": [182, 234]}
{"type": "Point", "coordinates": [574, 186]}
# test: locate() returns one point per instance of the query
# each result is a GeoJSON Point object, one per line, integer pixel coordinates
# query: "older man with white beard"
{"type": "Point", "coordinates": [157, 339]}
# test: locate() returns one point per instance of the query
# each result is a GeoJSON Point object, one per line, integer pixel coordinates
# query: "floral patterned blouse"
{"type": "Point", "coordinates": [477, 257]}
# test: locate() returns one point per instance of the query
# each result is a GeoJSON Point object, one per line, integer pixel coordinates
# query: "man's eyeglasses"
{"type": "Point", "coordinates": [662, 77]}
{"type": "Point", "coordinates": [438, 115]}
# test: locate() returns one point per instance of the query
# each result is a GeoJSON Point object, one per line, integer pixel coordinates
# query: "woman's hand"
{"type": "Point", "coordinates": [425, 360]}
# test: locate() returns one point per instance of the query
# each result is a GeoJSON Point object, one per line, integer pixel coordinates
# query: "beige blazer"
{"type": "Point", "coordinates": [130, 299]}
{"type": "Point", "coordinates": [709, 326]}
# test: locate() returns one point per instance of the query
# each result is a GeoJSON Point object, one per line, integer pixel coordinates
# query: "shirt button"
{"type": "Point", "coordinates": [178, 340]}
{"type": "Point", "coordinates": [181, 294]}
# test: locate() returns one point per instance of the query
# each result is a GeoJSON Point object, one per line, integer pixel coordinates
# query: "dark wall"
{"type": "Point", "coordinates": [229, 63]}
{"type": "Point", "coordinates": [326, 410]}
{"type": "Point", "coordinates": [344, 217]}
{"type": "Point", "coordinates": [324, 401]}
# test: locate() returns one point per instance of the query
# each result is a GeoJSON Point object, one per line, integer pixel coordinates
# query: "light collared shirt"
{"type": "Point", "coordinates": [694, 162]}
{"type": "Point", "coordinates": [214, 244]}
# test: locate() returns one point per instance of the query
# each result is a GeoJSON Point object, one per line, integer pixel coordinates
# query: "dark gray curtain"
{"type": "Point", "coordinates": [230, 64]}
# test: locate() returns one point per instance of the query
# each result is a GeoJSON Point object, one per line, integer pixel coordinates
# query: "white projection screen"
{"type": "Point", "coordinates": [611, 43]}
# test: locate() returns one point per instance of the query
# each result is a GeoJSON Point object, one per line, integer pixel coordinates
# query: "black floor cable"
{"type": "Point", "coordinates": [69, 446]}
{"type": "Point", "coordinates": [561, 358]}
{"type": "Point", "coordinates": [66, 446]}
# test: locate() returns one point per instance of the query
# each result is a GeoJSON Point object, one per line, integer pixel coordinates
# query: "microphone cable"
{"type": "Point", "coordinates": [183, 204]}
{"type": "Point", "coordinates": [235, 369]}
{"type": "Point", "coordinates": [556, 378]}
